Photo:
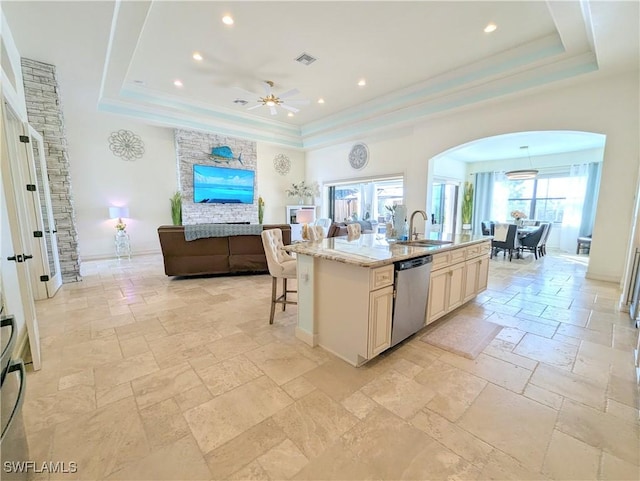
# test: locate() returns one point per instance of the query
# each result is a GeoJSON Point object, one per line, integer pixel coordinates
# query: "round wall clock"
{"type": "Point", "coordinates": [359, 156]}
{"type": "Point", "coordinates": [282, 164]}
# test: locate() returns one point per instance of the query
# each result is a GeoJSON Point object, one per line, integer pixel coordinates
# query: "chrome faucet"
{"type": "Point", "coordinates": [411, 228]}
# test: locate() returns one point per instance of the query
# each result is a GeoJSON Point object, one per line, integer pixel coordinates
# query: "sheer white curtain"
{"type": "Point", "coordinates": [572, 217]}
{"type": "Point", "coordinates": [500, 198]}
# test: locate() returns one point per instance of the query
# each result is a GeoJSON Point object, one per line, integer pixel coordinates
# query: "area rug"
{"type": "Point", "coordinates": [462, 335]}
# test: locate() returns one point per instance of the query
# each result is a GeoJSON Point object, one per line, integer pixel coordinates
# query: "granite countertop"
{"type": "Point", "coordinates": [374, 250]}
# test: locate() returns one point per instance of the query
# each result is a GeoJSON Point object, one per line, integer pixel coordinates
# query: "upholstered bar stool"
{"type": "Point", "coordinates": [281, 266]}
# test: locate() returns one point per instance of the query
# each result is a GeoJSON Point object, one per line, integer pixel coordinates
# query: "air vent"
{"type": "Point", "coordinates": [240, 102]}
{"type": "Point", "coordinates": [306, 59]}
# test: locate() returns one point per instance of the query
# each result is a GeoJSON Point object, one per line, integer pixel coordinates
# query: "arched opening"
{"type": "Point", "coordinates": [563, 191]}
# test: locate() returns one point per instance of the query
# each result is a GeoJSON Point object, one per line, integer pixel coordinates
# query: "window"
{"type": "Point", "coordinates": [542, 198]}
{"type": "Point", "coordinates": [365, 200]}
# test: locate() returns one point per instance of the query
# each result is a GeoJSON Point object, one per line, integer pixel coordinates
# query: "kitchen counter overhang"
{"type": "Point", "coordinates": [374, 250]}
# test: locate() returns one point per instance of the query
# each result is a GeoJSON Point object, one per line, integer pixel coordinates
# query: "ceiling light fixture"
{"type": "Point", "coordinates": [178, 83]}
{"type": "Point", "coordinates": [197, 56]}
{"type": "Point", "coordinates": [362, 83]}
{"type": "Point", "coordinates": [491, 27]}
{"type": "Point", "coordinates": [523, 174]}
{"type": "Point", "coordinates": [320, 101]}
{"type": "Point", "coordinates": [227, 20]}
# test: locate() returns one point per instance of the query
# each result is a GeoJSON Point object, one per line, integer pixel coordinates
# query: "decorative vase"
{"type": "Point", "coordinates": [120, 233]}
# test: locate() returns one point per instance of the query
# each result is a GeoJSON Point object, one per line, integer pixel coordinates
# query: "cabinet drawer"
{"type": "Point", "coordinates": [440, 260]}
{"type": "Point", "coordinates": [457, 255]}
{"type": "Point", "coordinates": [473, 251]}
{"type": "Point", "coordinates": [381, 277]}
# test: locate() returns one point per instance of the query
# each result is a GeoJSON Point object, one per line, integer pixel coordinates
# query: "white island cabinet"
{"type": "Point", "coordinates": [346, 290]}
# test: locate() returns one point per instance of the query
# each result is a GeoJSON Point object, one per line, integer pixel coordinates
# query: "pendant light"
{"type": "Point", "coordinates": [523, 174]}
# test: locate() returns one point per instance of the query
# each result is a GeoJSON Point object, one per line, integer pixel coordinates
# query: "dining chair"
{"type": "Point", "coordinates": [281, 266]}
{"type": "Point", "coordinates": [542, 248]}
{"type": "Point", "coordinates": [532, 240]}
{"type": "Point", "coordinates": [353, 230]}
{"type": "Point", "coordinates": [315, 233]}
{"type": "Point", "coordinates": [505, 239]}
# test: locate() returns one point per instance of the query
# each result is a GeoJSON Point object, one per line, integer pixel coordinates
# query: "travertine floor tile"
{"type": "Point", "coordinates": [399, 394]}
{"type": "Point", "coordinates": [499, 372]}
{"type": "Point", "coordinates": [570, 385]}
{"type": "Point", "coordinates": [585, 459]}
{"type": "Point", "coordinates": [455, 389]}
{"type": "Point", "coordinates": [163, 423]}
{"type": "Point", "coordinates": [228, 374]}
{"type": "Point", "coordinates": [224, 417]}
{"type": "Point", "coordinates": [514, 424]}
{"type": "Point", "coordinates": [244, 448]}
{"type": "Point", "coordinates": [461, 442]}
{"type": "Point", "coordinates": [103, 340]}
{"type": "Point", "coordinates": [280, 362]}
{"type": "Point", "coordinates": [546, 350]}
{"type": "Point", "coordinates": [600, 430]}
{"type": "Point", "coordinates": [179, 460]}
{"type": "Point", "coordinates": [101, 442]}
{"type": "Point", "coordinates": [616, 469]}
{"type": "Point", "coordinates": [283, 460]}
{"type": "Point", "coordinates": [314, 422]}
{"type": "Point", "coordinates": [164, 384]}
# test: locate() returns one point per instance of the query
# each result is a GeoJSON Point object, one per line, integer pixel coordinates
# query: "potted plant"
{"type": "Point", "coordinates": [467, 205]}
{"type": "Point", "coordinates": [176, 208]}
{"type": "Point", "coordinates": [260, 209]}
{"type": "Point", "coordinates": [302, 191]}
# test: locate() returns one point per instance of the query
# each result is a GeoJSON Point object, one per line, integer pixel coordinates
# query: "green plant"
{"type": "Point", "coordinates": [176, 208]}
{"type": "Point", "coordinates": [467, 203]}
{"type": "Point", "coordinates": [260, 210]}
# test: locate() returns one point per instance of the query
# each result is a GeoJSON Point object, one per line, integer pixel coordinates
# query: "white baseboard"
{"type": "Point", "coordinates": [307, 337]}
{"type": "Point", "coordinates": [111, 255]}
{"type": "Point", "coordinates": [597, 277]}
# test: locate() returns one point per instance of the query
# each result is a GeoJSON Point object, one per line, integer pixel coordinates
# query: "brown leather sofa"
{"type": "Point", "coordinates": [214, 255]}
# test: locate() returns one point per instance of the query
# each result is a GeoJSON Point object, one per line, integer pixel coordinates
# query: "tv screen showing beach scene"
{"type": "Point", "coordinates": [222, 185]}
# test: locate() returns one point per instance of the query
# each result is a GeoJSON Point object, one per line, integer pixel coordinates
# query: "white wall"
{"type": "Point", "coordinates": [604, 105]}
{"type": "Point", "coordinates": [272, 185]}
{"type": "Point", "coordinates": [100, 179]}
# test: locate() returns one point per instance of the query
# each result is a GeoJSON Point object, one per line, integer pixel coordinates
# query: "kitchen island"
{"type": "Point", "coordinates": [346, 287]}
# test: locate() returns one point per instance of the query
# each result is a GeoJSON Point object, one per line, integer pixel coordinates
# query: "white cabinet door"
{"type": "Point", "coordinates": [438, 295]}
{"type": "Point", "coordinates": [483, 275]}
{"type": "Point", "coordinates": [456, 286]}
{"type": "Point", "coordinates": [380, 312]}
{"type": "Point", "coordinates": [471, 279]}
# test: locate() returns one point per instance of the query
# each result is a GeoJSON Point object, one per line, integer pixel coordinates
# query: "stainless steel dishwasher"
{"type": "Point", "coordinates": [410, 303]}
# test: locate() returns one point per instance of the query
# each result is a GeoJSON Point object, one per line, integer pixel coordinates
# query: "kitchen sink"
{"type": "Point", "coordinates": [426, 242]}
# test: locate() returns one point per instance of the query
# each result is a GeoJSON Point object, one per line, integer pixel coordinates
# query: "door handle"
{"type": "Point", "coordinates": [26, 257]}
{"type": "Point", "coordinates": [16, 258]}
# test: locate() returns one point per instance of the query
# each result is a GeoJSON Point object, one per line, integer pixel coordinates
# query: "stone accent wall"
{"type": "Point", "coordinates": [194, 147]}
{"type": "Point", "coordinates": [44, 111]}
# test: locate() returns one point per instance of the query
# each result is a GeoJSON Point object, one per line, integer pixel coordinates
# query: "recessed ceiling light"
{"type": "Point", "coordinates": [320, 101]}
{"type": "Point", "coordinates": [240, 101]}
{"type": "Point", "coordinates": [290, 114]}
{"type": "Point", "coordinates": [227, 20]}
{"type": "Point", "coordinates": [177, 83]}
{"type": "Point", "coordinates": [362, 83]}
{"type": "Point", "coordinates": [197, 56]}
{"type": "Point", "coordinates": [138, 82]}
{"type": "Point", "coordinates": [491, 27]}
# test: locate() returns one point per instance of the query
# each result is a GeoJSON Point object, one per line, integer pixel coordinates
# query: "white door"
{"type": "Point", "coordinates": [50, 256]}
{"type": "Point", "coordinates": [15, 226]}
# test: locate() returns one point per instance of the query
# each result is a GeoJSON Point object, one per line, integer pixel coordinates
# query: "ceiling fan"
{"type": "Point", "coordinates": [272, 100]}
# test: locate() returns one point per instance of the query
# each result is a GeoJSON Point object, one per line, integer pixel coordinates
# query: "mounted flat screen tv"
{"type": "Point", "coordinates": [222, 185]}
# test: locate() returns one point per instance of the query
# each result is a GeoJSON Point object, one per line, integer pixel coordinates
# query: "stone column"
{"type": "Point", "coordinates": [44, 111]}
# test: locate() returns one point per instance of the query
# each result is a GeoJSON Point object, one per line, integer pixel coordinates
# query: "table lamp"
{"type": "Point", "coordinates": [118, 213]}
{"type": "Point", "coordinates": [304, 217]}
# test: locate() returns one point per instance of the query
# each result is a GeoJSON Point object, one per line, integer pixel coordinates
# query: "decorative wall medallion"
{"type": "Point", "coordinates": [282, 164]}
{"type": "Point", "coordinates": [359, 156]}
{"type": "Point", "coordinates": [126, 144]}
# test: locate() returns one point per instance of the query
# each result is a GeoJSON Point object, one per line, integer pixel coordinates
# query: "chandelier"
{"type": "Point", "coordinates": [523, 174]}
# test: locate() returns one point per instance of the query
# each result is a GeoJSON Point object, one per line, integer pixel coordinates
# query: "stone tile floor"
{"type": "Point", "coordinates": [150, 377]}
